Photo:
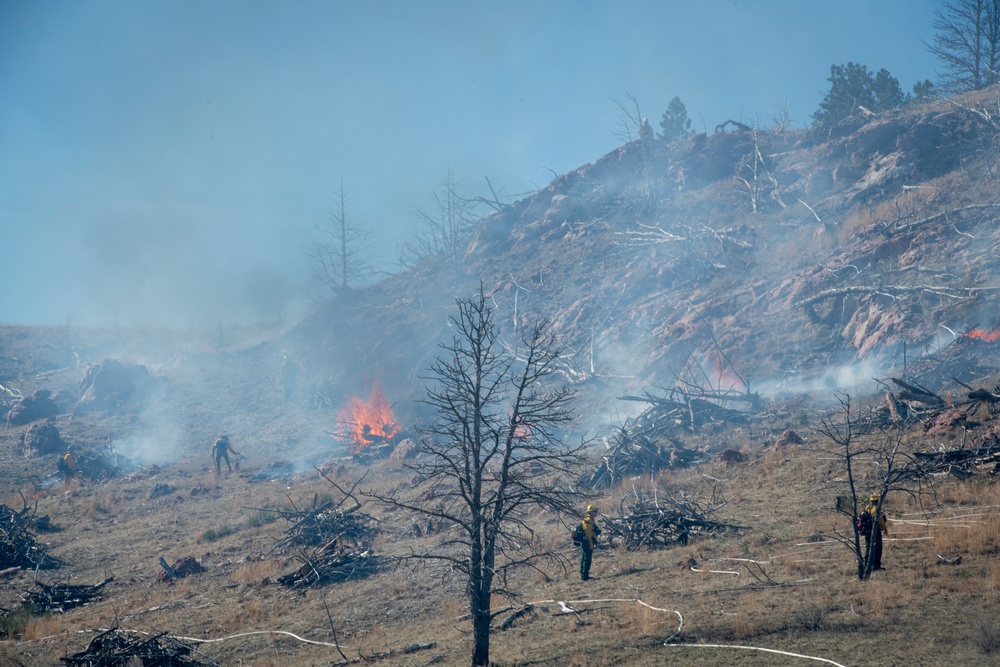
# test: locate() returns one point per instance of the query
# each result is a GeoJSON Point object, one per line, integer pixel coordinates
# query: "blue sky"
{"type": "Point", "coordinates": [166, 161]}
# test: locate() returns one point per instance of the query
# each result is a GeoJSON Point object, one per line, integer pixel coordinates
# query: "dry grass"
{"type": "Point", "coordinates": [801, 595]}
{"type": "Point", "coordinates": [255, 573]}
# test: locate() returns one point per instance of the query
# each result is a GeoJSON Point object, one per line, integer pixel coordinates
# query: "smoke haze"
{"type": "Point", "coordinates": [167, 162]}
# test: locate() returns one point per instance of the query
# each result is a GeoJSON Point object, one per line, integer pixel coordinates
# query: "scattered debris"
{"type": "Point", "coordinates": [984, 453]}
{"type": "Point", "coordinates": [115, 647]}
{"type": "Point", "coordinates": [161, 490]}
{"type": "Point", "coordinates": [62, 597]}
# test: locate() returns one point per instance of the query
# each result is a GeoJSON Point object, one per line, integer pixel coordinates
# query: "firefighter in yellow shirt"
{"type": "Point", "coordinates": [590, 533]}
{"type": "Point", "coordinates": [873, 525]}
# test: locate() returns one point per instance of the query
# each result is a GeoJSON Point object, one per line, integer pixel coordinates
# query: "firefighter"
{"type": "Point", "coordinates": [588, 541]}
{"type": "Point", "coordinates": [69, 463]}
{"type": "Point", "coordinates": [873, 525]}
{"type": "Point", "coordinates": [221, 450]}
{"type": "Point", "coordinates": [289, 374]}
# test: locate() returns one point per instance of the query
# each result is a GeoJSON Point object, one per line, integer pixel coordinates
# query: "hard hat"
{"type": "Point", "coordinates": [591, 508]}
{"type": "Point", "coordinates": [874, 498]}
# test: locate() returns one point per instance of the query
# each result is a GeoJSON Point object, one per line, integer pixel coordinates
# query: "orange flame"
{"type": "Point", "coordinates": [368, 421]}
{"type": "Point", "coordinates": [983, 335]}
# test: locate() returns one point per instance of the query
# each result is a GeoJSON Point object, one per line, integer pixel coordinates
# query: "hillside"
{"type": "Point", "coordinates": [793, 254]}
{"type": "Point", "coordinates": [783, 266]}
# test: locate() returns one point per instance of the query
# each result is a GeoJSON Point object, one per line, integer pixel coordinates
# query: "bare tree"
{"type": "Point", "coordinates": [492, 456]}
{"type": "Point", "coordinates": [876, 462]}
{"type": "Point", "coordinates": [642, 195]}
{"type": "Point", "coordinates": [444, 230]}
{"type": "Point", "coordinates": [629, 117]}
{"type": "Point", "coordinates": [340, 256]}
{"type": "Point", "coordinates": [968, 44]}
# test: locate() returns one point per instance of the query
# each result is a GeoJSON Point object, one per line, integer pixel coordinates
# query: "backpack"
{"type": "Point", "coordinates": [864, 522]}
{"type": "Point", "coordinates": [579, 537]}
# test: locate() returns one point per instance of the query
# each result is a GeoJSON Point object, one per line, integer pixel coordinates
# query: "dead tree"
{"type": "Point", "coordinates": [340, 256]}
{"type": "Point", "coordinates": [491, 456]}
{"type": "Point", "coordinates": [874, 464]}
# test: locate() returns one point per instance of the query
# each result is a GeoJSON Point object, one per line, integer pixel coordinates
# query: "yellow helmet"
{"type": "Point", "coordinates": [591, 508]}
{"type": "Point", "coordinates": [874, 498]}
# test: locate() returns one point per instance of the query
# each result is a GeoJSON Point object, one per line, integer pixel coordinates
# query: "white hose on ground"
{"type": "Point", "coordinates": [564, 606]}
{"type": "Point", "coordinates": [765, 650]}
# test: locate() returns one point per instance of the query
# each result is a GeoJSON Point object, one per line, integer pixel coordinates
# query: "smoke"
{"type": "Point", "coordinates": [857, 379]}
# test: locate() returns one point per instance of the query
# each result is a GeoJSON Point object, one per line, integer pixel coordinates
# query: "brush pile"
{"type": "Point", "coordinates": [962, 463]}
{"type": "Point", "coordinates": [339, 534]}
{"type": "Point", "coordinates": [331, 564]}
{"type": "Point", "coordinates": [324, 523]}
{"type": "Point", "coordinates": [647, 520]}
{"type": "Point", "coordinates": [62, 597]}
{"type": "Point", "coordinates": [643, 446]}
{"type": "Point", "coordinates": [116, 647]}
{"type": "Point", "coordinates": [18, 547]}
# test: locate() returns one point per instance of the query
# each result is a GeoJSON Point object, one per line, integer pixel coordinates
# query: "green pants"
{"type": "Point", "coordinates": [586, 554]}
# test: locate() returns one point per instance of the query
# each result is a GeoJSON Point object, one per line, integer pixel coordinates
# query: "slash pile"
{"type": "Point", "coordinates": [646, 520]}
{"type": "Point", "coordinates": [115, 647]}
{"type": "Point", "coordinates": [339, 536]}
{"type": "Point", "coordinates": [61, 597]}
{"type": "Point", "coordinates": [18, 547]}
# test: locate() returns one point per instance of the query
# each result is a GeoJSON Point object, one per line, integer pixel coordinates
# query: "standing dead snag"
{"type": "Point", "coordinates": [491, 455]}
{"type": "Point", "coordinates": [876, 463]}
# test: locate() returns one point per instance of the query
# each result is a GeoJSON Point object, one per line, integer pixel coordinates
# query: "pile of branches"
{"type": "Point", "coordinates": [61, 597]}
{"type": "Point", "coordinates": [647, 520]}
{"type": "Point", "coordinates": [641, 446]}
{"type": "Point", "coordinates": [116, 647]}
{"type": "Point", "coordinates": [963, 358]}
{"type": "Point", "coordinates": [18, 547]}
{"type": "Point", "coordinates": [690, 407]}
{"type": "Point", "coordinates": [962, 462]}
{"type": "Point", "coordinates": [339, 534]}
{"type": "Point", "coordinates": [330, 564]}
{"type": "Point", "coordinates": [326, 522]}
{"type": "Point", "coordinates": [905, 403]}
{"type": "Point", "coordinates": [911, 402]}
